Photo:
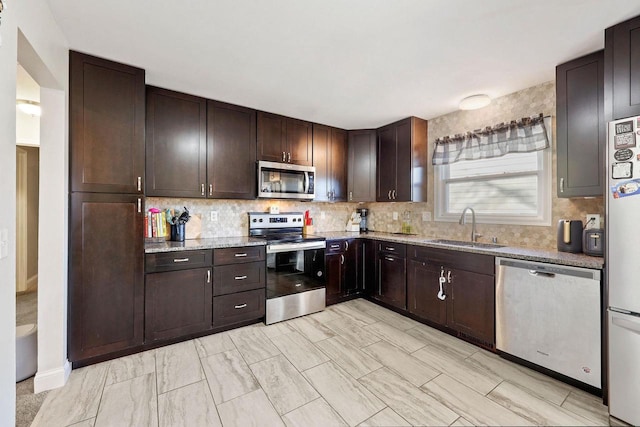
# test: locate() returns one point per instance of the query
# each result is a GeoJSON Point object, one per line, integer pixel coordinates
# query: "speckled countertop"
{"type": "Point", "coordinates": [539, 255]}
{"type": "Point", "coordinates": [194, 244]}
{"type": "Point", "coordinates": [529, 254]}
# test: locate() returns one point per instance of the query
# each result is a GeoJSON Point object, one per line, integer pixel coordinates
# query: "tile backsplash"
{"type": "Point", "coordinates": [232, 217]}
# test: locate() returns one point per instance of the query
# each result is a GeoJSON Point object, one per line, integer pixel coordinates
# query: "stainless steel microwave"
{"type": "Point", "coordinates": [285, 181]}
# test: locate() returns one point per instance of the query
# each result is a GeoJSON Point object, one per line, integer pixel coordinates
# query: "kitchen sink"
{"type": "Point", "coordinates": [466, 244]}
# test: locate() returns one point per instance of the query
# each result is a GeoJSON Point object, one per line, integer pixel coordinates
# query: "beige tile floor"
{"type": "Point", "coordinates": [353, 364]}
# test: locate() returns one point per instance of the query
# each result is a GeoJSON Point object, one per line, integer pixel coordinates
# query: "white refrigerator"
{"type": "Point", "coordinates": [623, 267]}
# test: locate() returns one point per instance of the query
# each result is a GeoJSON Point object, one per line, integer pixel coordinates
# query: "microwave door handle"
{"type": "Point", "coordinates": [306, 182]}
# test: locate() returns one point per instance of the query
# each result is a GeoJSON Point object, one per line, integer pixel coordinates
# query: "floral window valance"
{"type": "Point", "coordinates": [523, 136]}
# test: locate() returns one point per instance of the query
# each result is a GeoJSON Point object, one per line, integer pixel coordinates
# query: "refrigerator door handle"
{"type": "Point", "coordinates": [626, 324]}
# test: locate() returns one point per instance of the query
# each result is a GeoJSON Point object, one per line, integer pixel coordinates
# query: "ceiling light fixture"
{"type": "Point", "coordinates": [474, 102]}
{"type": "Point", "coordinates": [29, 107]}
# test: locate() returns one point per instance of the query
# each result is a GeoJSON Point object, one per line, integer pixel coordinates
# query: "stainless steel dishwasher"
{"type": "Point", "coordinates": [549, 315]}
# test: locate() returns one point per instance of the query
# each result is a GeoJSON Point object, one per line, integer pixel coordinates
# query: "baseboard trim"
{"type": "Point", "coordinates": [32, 283]}
{"type": "Point", "coordinates": [53, 378]}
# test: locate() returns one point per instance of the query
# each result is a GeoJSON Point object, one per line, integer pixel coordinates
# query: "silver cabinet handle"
{"type": "Point", "coordinates": [394, 194]}
{"type": "Point", "coordinates": [181, 260]}
{"type": "Point", "coordinates": [335, 246]}
{"type": "Point", "coordinates": [211, 189]}
{"type": "Point", "coordinates": [240, 277]}
{"type": "Point", "coordinates": [139, 183]}
{"type": "Point", "coordinates": [289, 157]}
{"type": "Point", "coordinates": [139, 205]}
{"type": "Point", "coordinates": [240, 255]}
{"type": "Point", "coordinates": [346, 245]}
{"type": "Point", "coordinates": [449, 276]}
{"type": "Point", "coordinates": [238, 307]}
{"type": "Point", "coordinates": [283, 156]}
{"type": "Point", "coordinates": [562, 185]}
{"type": "Point", "coordinates": [202, 189]}
{"type": "Point", "coordinates": [350, 195]}
{"type": "Point", "coordinates": [208, 276]}
{"type": "Point", "coordinates": [389, 195]}
{"type": "Point", "coordinates": [341, 259]}
{"type": "Point", "coordinates": [389, 248]}
{"type": "Point", "coordinates": [388, 258]}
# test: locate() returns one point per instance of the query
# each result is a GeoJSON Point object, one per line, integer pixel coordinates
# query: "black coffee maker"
{"type": "Point", "coordinates": [570, 235]}
{"type": "Point", "coordinates": [364, 212]}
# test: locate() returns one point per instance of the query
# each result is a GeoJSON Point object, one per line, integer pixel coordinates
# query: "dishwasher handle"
{"type": "Point", "coordinates": [541, 273]}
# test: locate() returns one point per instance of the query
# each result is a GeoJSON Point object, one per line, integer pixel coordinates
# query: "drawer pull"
{"type": "Point", "coordinates": [240, 277]}
{"type": "Point", "coordinates": [335, 246]}
{"type": "Point", "coordinates": [240, 255]}
{"type": "Point", "coordinates": [181, 260]}
{"type": "Point", "coordinates": [208, 276]}
{"type": "Point", "coordinates": [238, 307]}
{"type": "Point", "coordinates": [389, 258]}
{"type": "Point", "coordinates": [388, 248]}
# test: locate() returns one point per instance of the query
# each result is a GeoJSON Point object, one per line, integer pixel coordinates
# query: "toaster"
{"type": "Point", "coordinates": [593, 242]}
{"type": "Point", "coordinates": [570, 236]}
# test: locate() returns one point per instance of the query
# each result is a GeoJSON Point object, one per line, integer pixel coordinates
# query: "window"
{"type": "Point", "coordinates": [512, 189]}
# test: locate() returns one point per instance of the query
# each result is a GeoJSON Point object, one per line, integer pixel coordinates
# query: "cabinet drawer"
{"type": "Point", "coordinates": [238, 255]}
{"type": "Point", "coordinates": [232, 278]}
{"type": "Point", "coordinates": [398, 249]}
{"type": "Point", "coordinates": [239, 307]}
{"type": "Point", "coordinates": [483, 264]}
{"type": "Point", "coordinates": [179, 260]}
{"type": "Point", "coordinates": [334, 246]}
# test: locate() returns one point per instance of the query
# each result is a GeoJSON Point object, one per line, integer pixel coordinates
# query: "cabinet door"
{"type": "Point", "coordinates": [177, 303]}
{"type": "Point", "coordinates": [106, 102]}
{"type": "Point", "coordinates": [423, 286]}
{"type": "Point", "coordinates": [272, 142]}
{"type": "Point", "coordinates": [231, 151]}
{"type": "Point", "coordinates": [471, 305]}
{"type": "Point", "coordinates": [392, 287]}
{"type": "Point", "coordinates": [362, 166]}
{"type": "Point", "coordinates": [622, 45]}
{"type": "Point", "coordinates": [352, 268]}
{"type": "Point", "coordinates": [580, 126]}
{"type": "Point", "coordinates": [338, 165]}
{"type": "Point", "coordinates": [321, 153]}
{"type": "Point", "coordinates": [299, 142]}
{"type": "Point", "coordinates": [334, 271]}
{"type": "Point", "coordinates": [386, 172]}
{"type": "Point", "coordinates": [176, 144]}
{"type": "Point", "coordinates": [404, 167]}
{"type": "Point", "coordinates": [367, 267]}
{"type": "Point", "coordinates": [106, 274]}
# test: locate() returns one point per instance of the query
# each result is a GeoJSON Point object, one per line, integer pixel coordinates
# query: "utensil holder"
{"type": "Point", "coordinates": [177, 232]}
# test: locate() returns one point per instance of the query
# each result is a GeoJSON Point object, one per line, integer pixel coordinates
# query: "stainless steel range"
{"type": "Point", "coordinates": [295, 265]}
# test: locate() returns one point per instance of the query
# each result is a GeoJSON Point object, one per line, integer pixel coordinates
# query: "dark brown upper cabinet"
{"type": "Point", "coordinates": [106, 131]}
{"type": "Point", "coordinates": [622, 69]}
{"type": "Point", "coordinates": [361, 185]}
{"type": "Point", "coordinates": [106, 274]}
{"type": "Point", "coordinates": [231, 151]}
{"type": "Point", "coordinates": [581, 128]}
{"type": "Point", "coordinates": [402, 161]}
{"type": "Point", "coordinates": [330, 160]}
{"type": "Point", "coordinates": [283, 139]}
{"type": "Point", "coordinates": [176, 144]}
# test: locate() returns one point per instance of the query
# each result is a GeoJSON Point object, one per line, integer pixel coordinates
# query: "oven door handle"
{"type": "Point", "coordinates": [289, 247]}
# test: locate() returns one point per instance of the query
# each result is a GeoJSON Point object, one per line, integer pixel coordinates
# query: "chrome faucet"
{"type": "Point", "coordinates": [463, 221]}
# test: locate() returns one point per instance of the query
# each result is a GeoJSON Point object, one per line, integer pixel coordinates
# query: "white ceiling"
{"type": "Point", "coordinates": [348, 63]}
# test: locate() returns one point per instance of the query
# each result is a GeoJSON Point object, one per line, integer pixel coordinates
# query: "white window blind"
{"type": "Point", "coordinates": [512, 189]}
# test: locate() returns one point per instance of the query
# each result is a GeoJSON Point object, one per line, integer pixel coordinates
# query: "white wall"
{"type": "Point", "coordinates": [8, 55]}
{"type": "Point", "coordinates": [47, 62]}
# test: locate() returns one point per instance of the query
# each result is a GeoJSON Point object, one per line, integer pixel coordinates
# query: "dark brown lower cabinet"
{"type": "Point", "coordinates": [106, 274]}
{"type": "Point", "coordinates": [471, 305]}
{"type": "Point", "coordinates": [334, 272]}
{"type": "Point", "coordinates": [177, 303]}
{"type": "Point", "coordinates": [422, 292]}
{"type": "Point", "coordinates": [238, 307]}
{"type": "Point", "coordinates": [343, 269]}
{"type": "Point", "coordinates": [391, 278]}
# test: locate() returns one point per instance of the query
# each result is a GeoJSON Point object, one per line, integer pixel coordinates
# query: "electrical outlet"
{"type": "Point", "coordinates": [395, 216]}
{"type": "Point", "coordinates": [213, 216]}
{"type": "Point", "coordinates": [4, 243]}
{"type": "Point", "coordinates": [593, 221]}
{"type": "Point", "coordinates": [426, 216]}
{"type": "Point", "coordinates": [322, 215]}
